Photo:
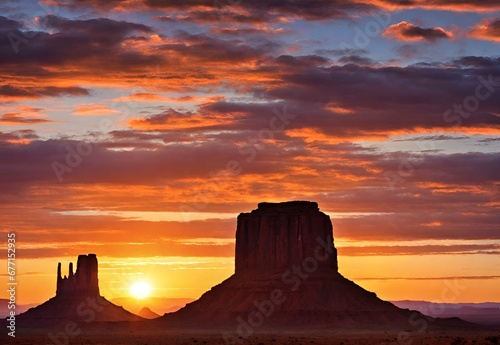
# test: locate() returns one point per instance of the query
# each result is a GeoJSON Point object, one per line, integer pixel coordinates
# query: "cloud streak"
{"type": "Point", "coordinates": [405, 31]}
{"type": "Point", "coordinates": [488, 29]}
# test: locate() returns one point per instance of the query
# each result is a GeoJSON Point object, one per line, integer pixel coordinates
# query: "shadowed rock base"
{"type": "Point", "coordinates": [284, 299]}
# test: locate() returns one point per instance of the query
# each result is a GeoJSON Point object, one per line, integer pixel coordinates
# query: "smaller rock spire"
{"type": "Point", "coordinates": [59, 279]}
{"type": "Point", "coordinates": [83, 282]}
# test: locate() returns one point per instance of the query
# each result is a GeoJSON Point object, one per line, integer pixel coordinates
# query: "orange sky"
{"type": "Point", "coordinates": [138, 130]}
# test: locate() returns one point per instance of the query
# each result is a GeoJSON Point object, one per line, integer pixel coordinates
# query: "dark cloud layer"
{"type": "Point", "coordinates": [311, 10]}
{"type": "Point", "coordinates": [95, 42]}
{"type": "Point", "coordinates": [103, 29]}
{"type": "Point", "coordinates": [7, 24]}
{"type": "Point", "coordinates": [38, 92]}
{"type": "Point", "coordinates": [260, 10]}
{"type": "Point", "coordinates": [28, 165]}
{"type": "Point", "coordinates": [19, 119]}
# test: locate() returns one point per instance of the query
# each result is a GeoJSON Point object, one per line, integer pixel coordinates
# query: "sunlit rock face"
{"type": "Point", "coordinates": [276, 236]}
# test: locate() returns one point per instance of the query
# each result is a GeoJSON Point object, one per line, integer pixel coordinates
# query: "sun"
{"type": "Point", "coordinates": [140, 290]}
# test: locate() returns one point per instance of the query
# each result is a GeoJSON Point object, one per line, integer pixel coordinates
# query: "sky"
{"type": "Point", "coordinates": [139, 129]}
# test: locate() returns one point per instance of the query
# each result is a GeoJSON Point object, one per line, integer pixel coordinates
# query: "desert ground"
{"type": "Point", "coordinates": [352, 337]}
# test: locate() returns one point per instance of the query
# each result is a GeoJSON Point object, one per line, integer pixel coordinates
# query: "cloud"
{"type": "Point", "coordinates": [23, 115]}
{"type": "Point", "coordinates": [235, 31]}
{"type": "Point", "coordinates": [155, 97]}
{"type": "Point", "coordinates": [341, 52]}
{"type": "Point", "coordinates": [20, 92]}
{"type": "Point", "coordinates": [214, 50]}
{"type": "Point", "coordinates": [215, 16]}
{"type": "Point", "coordinates": [450, 5]}
{"type": "Point", "coordinates": [487, 64]}
{"type": "Point", "coordinates": [7, 24]}
{"type": "Point", "coordinates": [381, 100]}
{"type": "Point", "coordinates": [377, 250]}
{"type": "Point", "coordinates": [489, 140]}
{"type": "Point", "coordinates": [19, 119]}
{"type": "Point", "coordinates": [411, 226]}
{"type": "Point", "coordinates": [260, 11]}
{"type": "Point", "coordinates": [487, 29]}
{"type": "Point", "coordinates": [103, 29]}
{"type": "Point", "coordinates": [173, 120]}
{"type": "Point", "coordinates": [476, 168]}
{"type": "Point", "coordinates": [341, 102]}
{"type": "Point", "coordinates": [357, 60]}
{"type": "Point", "coordinates": [94, 110]}
{"type": "Point", "coordinates": [168, 162]}
{"type": "Point", "coordinates": [104, 52]}
{"type": "Point", "coordinates": [434, 138]}
{"type": "Point", "coordinates": [24, 135]}
{"type": "Point", "coordinates": [302, 61]}
{"type": "Point", "coordinates": [405, 31]}
{"type": "Point", "coordinates": [74, 45]}
{"type": "Point", "coordinates": [445, 197]}
{"type": "Point", "coordinates": [449, 278]}
{"type": "Point", "coordinates": [310, 10]}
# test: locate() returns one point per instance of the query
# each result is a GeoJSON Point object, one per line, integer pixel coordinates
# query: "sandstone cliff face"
{"type": "Point", "coordinates": [276, 236]}
{"type": "Point", "coordinates": [84, 282]}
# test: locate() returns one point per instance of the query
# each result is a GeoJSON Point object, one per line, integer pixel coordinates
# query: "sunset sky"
{"type": "Point", "coordinates": [139, 129]}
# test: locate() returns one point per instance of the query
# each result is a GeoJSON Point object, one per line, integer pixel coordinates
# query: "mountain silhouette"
{"type": "Point", "coordinates": [286, 275]}
{"type": "Point", "coordinates": [148, 313]}
{"type": "Point", "coordinates": [77, 299]}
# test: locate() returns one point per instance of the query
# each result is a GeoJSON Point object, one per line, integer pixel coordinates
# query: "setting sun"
{"type": "Point", "coordinates": [140, 290]}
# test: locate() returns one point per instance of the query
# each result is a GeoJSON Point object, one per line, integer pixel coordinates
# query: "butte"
{"type": "Point", "coordinates": [286, 276]}
{"type": "Point", "coordinates": [77, 299]}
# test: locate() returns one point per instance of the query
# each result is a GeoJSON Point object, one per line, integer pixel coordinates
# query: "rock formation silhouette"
{"type": "Point", "coordinates": [277, 236]}
{"type": "Point", "coordinates": [286, 275]}
{"type": "Point", "coordinates": [147, 313]}
{"type": "Point", "coordinates": [77, 299]}
{"type": "Point", "coordinates": [84, 282]}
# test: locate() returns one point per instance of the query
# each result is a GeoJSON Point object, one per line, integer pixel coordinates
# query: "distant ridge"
{"type": "Point", "coordinates": [487, 313]}
{"type": "Point", "coordinates": [148, 313]}
{"type": "Point", "coordinates": [20, 308]}
{"type": "Point", "coordinates": [160, 305]}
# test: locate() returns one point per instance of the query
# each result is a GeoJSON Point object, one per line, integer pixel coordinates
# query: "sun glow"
{"type": "Point", "coordinates": [140, 290]}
